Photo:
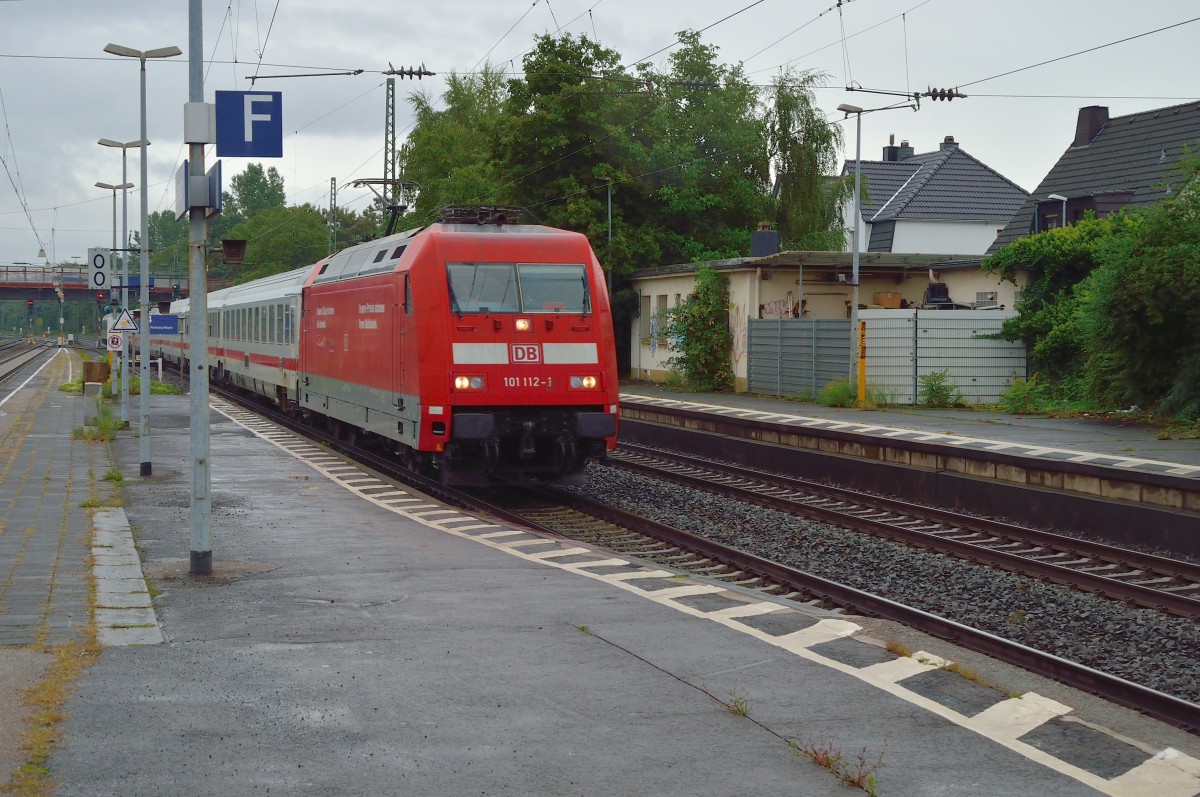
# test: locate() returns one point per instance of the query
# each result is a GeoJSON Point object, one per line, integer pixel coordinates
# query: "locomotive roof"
{"type": "Point", "coordinates": [382, 254]}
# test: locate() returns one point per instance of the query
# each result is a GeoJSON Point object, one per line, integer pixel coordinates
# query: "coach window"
{"type": "Point", "coordinates": [287, 324]}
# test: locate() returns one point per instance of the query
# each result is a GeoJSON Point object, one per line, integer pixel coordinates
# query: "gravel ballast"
{"type": "Point", "coordinates": [1141, 645]}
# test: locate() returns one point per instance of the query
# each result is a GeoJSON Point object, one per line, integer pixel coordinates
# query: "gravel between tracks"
{"type": "Point", "coordinates": [1140, 645]}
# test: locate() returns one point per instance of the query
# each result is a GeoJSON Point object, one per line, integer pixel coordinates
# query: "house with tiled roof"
{"type": "Point", "coordinates": [1112, 163]}
{"type": "Point", "coordinates": [941, 201]}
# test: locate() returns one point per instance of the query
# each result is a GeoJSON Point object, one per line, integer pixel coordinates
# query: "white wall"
{"type": "Point", "coordinates": [957, 237]}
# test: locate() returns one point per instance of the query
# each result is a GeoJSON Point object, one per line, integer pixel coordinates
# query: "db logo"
{"type": "Point", "coordinates": [526, 353]}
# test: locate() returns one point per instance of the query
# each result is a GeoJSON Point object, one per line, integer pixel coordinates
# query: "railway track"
{"type": "Point", "coordinates": [575, 517]}
{"type": "Point", "coordinates": [581, 519]}
{"type": "Point", "coordinates": [1138, 579]}
{"type": "Point", "coordinates": [14, 356]}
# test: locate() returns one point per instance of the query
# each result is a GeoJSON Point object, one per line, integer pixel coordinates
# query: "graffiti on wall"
{"type": "Point", "coordinates": [739, 330]}
{"type": "Point", "coordinates": [779, 307]}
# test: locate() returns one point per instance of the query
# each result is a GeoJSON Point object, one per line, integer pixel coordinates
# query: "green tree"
{"type": "Point", "coordinates": [804, 150]}
{"type": "Point", "coordinates": [449, 153]}
{"type": "Point", "coordinates": [253, 191]}
{"type": "Point", "coordinates": [709, 157]}
{"type": "Point", "coordinates": [698, 328]}
{"type": "Point", "coordinates": [552, 148]}
{"type": "Point", "coordinates": [1055, 263]}
{"type": "Point", "coordinates": [168, 242]}
{"type": "Point", "coordinates": [1140, 309]}
{"type": "Point", "coordinates": [281, 238]}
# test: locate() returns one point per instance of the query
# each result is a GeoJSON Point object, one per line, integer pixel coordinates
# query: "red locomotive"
{"type": "Point", "coordinates": [475, 348]}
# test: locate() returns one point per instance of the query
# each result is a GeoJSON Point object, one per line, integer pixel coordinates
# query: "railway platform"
{"type": "Point", "coordinates": [358, 638]}
{"type": "Point", "coordinates": [1126, 445]}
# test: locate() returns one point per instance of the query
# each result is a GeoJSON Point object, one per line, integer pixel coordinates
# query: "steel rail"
{"type": "Point", "coordinates": [852, 513]}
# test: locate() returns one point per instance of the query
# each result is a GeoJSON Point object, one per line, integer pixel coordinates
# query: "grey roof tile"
{"type": "Point", "coordinates": [947, 185]}
{"type": "Point", "coordinates": [1136, 153]}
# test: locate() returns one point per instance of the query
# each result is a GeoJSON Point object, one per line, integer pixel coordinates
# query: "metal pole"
{"type": "Point", "coordinates": [144, 296]}
{"type": "Point", "coordinates": [857, 220]}
{"type": "Point", "coordinates": [125, 288]}
{"type": "Point", "coordinates": [200, 503]}
{"type": "Point", "coordinates": [113, 296]}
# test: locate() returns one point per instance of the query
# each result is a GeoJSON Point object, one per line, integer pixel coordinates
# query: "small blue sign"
{"type": "Point", "coordinates": [250, 124]}
{"type": "Point", "coordinates": [162, 324]}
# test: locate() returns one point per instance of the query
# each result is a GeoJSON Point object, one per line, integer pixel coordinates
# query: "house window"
{"type": "Point", "coordinates": [986, 299]}
{"type": "Point", "coordinates": [644, 326]}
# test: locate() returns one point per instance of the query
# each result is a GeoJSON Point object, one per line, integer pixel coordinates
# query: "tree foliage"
{"type": "Point", "coordinates": [684, 152]}
{"type": "Point", "coordinates": [280, 239]}
{"type": "Point", "coordinates": [449, 154]}
{"type": "Point", "coordinates": [1111, 312]}
{"type": "Point", "coordinates": [698, 328]}
{"type": "Point", "coordinates": [804, 149]}
{"type": "Point", "coordinates": [1055, 263]}
{"type": "Point", "coordinates": [1141, 308]}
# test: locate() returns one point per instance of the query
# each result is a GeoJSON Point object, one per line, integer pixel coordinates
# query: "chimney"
{"type": "Point", "coordinates": [1091, 121]}
{"type": "Point", "coordinates": [764, 241]}
{"type": "Point", "coordinates": [949, 143]}
{"type": "Point", "coordinates": [891, 151]}
{"type": "Point", "coordinates": [905, 151]}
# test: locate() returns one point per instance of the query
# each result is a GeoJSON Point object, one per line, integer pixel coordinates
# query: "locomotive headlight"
{"type": "Point", "coordinates": [468, 383]}
{"type": "Point", "coordinates": [583, 382]}
{"type": "Point", "coordinates": [523, 324]}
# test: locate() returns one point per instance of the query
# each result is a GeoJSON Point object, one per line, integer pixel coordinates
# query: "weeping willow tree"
{"type": "Point", "coordinates": [804, 149]}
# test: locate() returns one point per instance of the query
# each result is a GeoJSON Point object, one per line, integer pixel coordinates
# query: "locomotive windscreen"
{"type": "Point", "coordinates": [518, 288]}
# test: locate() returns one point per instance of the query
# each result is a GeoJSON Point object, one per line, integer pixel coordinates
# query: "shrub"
{"type": "Point", "coordinates": [937, 391]}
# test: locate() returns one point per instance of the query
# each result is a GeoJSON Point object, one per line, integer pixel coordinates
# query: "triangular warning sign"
{"type": "Point", "coordinates": [124, 323]}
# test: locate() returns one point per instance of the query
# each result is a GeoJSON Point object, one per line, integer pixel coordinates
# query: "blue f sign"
{"type": "Point", "coordinates": [250, 124]}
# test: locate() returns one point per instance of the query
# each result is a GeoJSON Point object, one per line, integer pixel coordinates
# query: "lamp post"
{"type": "Point", "coordinates": [124, 372]}
{"type": "Point", "coordinates": [144, 373]}
{"type": "Point", "coordinates": [1063, 221]}
{"type": "Point", "coordinates": [108, 142]}
{"type": "Point", "coordinates": [854, 346]}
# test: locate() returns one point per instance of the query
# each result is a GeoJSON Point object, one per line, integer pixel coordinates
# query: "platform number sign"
{"type": "Point", "coordinates": [99, 269]}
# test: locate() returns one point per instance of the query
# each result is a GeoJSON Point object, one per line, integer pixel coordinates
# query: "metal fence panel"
{"type": "Point", "coordinates": [788, 357]}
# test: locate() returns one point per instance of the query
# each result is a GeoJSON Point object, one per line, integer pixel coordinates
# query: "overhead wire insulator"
{"type": "Point", "coordinates": [944, 94]}
{"type": "Point", "coordinates": [418, 72]}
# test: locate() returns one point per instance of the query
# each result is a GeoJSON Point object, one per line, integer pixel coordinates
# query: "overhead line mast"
{"type": "Point", "coordinates": [391, 154]}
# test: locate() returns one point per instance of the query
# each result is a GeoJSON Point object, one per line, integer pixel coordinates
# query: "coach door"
{"type": "Point", "coordinates": [400, 321]}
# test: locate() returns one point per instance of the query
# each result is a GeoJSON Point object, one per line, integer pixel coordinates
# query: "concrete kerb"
{"type": "Point", "coordinates": [124, 613]}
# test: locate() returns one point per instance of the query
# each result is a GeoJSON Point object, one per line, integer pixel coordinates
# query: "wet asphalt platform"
{"type": "Point", "coordinates": [357, 639]}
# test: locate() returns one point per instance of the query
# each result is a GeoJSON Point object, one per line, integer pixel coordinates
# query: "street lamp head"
{"type": "Point", "coordinates": [109, 187]}
{"type": "Point", "coordinates": [129, 52]}
{"type": "Point", "coordinates": [846, 108]}
{"type": "Point", "coordinates": [117, 49]}
{"type": "Point", "coordinates": [1058, 197]}
{"type": "Point", "coordinates": [108, 142]}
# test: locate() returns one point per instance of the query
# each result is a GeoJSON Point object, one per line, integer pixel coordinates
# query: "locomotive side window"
{"type": "Point", "coordinates": [553, 288]}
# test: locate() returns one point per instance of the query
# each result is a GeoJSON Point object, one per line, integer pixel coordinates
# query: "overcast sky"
{"type": "Point", "coordinates": [61, 93]}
